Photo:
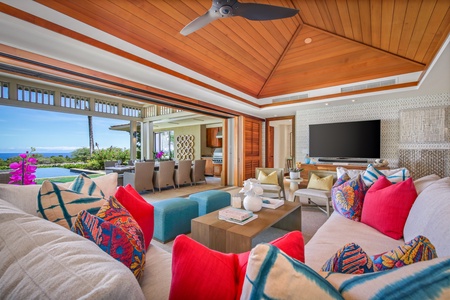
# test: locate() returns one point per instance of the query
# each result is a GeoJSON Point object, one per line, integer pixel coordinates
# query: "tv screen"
{"type": "Point", "coordinates": [345, 140]}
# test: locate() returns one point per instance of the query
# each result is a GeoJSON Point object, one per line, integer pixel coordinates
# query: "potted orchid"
{"type": "Point", "coordinates": [23, 171]}
{"type": "Point", "coordinates": [253, 191]}
{"type": "Point", "coordinates": [294, 173]}
{"type": "Point", "coordinates": [158, 155]}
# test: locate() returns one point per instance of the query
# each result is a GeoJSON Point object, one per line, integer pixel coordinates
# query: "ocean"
{"type": "Point", "coordinates": [5, 156]}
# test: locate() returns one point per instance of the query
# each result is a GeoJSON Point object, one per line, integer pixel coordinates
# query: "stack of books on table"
{"type": "Point", "coordinates": [236, 215]}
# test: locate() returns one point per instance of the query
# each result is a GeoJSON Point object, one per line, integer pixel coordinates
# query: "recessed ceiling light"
{"type": "Point", "coordinates": [353, 100]}
{"type": "Point", "coordinates": [308, 40]}
{"type": "Point", "coordinates": [326, 104]}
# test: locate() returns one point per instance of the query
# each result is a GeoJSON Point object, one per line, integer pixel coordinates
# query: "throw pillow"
{"type": "Point", "coordinates": [61, 205]}
{"type": "Point", "coordinates": [350, 172]}
{"type": "Point", "coordinates": [85, 185]}
{"type": "Point", "coordinates": [418, 249]}
{"type": "Point", "coordinates": [386, 206]}
{"type": "Point", "coordinates": [191, 261]}
{"type": "Point", "coordinates": [347, 196]}
{"type": "Point", "coordinates": [271, 274]}
{"type": "Point", "coordinates": [395, 175]}
{"type": "Point", "coordinates": [423, 280]}
{"type": "Point", "coordinates": [115, 232]}
{"type": "Point", "coordinates": [141, 210]}
{"type": "Point", "coordinates": [350, 259]}
{"type": "Point", "coordinates": [320, 183]}
{"type": "Point", "coordinates": [272, 178]}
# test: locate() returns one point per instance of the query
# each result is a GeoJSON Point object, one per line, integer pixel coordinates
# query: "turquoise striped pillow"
{"type": "Point", "coordinates": [422, 280]}
{"type": "Point", "coordinates": [396, 175]}
{"type": "Point", "coordinates": [85, 185]}
{"type": "Point", "coordinates": [271, 274]}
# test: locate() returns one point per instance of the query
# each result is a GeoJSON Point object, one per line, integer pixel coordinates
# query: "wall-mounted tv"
{"type": "Point", "coordinates": [347, 140]}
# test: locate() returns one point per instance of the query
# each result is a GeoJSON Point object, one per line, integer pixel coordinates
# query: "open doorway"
{"type": "Point", "coordinates": [280, 142]}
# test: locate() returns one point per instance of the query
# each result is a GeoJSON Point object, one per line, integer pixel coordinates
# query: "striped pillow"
{"type": "Point", "coordinates": [396, 175]}
{"type": "Point", "coordinates": [61, 205]}
{"type": "Point", "coordinates": [85, 185]}
{"type": "Point", "coordinates": [271, 274]}
{"type": "Point", "coordinates": [423, 280]}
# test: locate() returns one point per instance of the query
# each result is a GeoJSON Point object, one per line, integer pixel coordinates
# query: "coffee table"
{"type": "Point", "coordinates": [227, 237]}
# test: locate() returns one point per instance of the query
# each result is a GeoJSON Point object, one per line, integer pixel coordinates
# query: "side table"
{"type": "Point", "coordinates": [293, 186]}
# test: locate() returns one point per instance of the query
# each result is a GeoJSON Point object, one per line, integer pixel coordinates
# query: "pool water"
{"type": "Point", "coordinates": [54, 172]}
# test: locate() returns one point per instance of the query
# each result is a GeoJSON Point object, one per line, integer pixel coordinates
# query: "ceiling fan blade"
{"type": "Point", "coordinates": [200, 22]}
{"type": "Point", "coordinates": [261, 12]}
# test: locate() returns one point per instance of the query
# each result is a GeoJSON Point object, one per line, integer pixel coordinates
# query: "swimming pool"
{"type": "Point", "coordinates": [54, 172]}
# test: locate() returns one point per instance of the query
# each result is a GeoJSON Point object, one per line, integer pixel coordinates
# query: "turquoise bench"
{"type": "Point", "coordinates": [173, 217]}
{"type": "Point", "coordinates": [211, 200]}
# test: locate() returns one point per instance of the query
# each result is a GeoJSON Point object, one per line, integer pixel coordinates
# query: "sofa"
{"type": "Point", "coordinates": [42, 260]}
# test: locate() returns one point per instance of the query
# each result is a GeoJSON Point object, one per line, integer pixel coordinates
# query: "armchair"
{"type": "Point", "coordinates": [272, 188]}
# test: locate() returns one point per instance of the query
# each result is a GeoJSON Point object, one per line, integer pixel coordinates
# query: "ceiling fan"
{"type": "Point", "coordinates": [234, 8]}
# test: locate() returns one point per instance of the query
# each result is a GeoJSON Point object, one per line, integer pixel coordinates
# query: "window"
{"type": "Point", "coordinates": [164, 141]}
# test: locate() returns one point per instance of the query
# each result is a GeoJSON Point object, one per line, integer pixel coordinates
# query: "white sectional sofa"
{"type": "Point", "coordinates": [42, 260]}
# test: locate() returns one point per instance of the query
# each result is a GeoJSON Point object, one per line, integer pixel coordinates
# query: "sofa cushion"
{"type": "Point", "coordinates": [350, 259]}
{"type": "Point", "coordinates": [320, 183]}
{"type": "Point", "coordinates": [271, 274]}
{"type": "Point", "coordinates": [347, 196]}
{"type": "Point", "coordinates": [61, 205]}
{"type": "Point", "coordinates": [423, 280]}
{"type": "Point", "coordinates": [142, 211]}
{"type": "Point", "coordinates": [429, 216]}
{"type": "Point", "coordinates": [350, 172]}
{"type": "Point", "coordinates": [191, 261]}
{"type": "Point", "coordinates": [40, 259]}
{"type": "Point", "coordinates": [271, 178]}
{"type": "Point", "coordinates": [423, 182]}
{"type": "Point", "coordinates": [386, 206]}
{"type": "Point", "coordinates": [393, 175]}
{"type": "Point", "coordinates": [418, 249]}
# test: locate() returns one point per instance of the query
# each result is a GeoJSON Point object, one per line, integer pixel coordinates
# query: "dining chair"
{"type": "Point", "coordinates": [198, 171]}
{"type": "Point", "coordinates": [183, 172]}
{"type": "Point", "coordinates": [109, 163]}
{"type": "Point", "coordinates": [142, 178]}
{"type": "Point", "coordinates": [164, 176]}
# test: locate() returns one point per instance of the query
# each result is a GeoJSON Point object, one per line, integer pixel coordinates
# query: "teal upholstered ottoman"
{"type": "Point", "coordinates": [173, 217]}
{"type": "Point", "coordinates": [212, 200]}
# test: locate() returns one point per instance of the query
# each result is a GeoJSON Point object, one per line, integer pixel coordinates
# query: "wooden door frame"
{"type": "Point", "coordinates": [268, 120]}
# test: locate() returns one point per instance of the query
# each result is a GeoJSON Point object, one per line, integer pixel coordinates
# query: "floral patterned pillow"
{"type": "Point", "coordinates": [350, 259]}
{"type": "Point", "coordinates": [347, 196]}
{"type": "Point", "coordinates": [115, 231]}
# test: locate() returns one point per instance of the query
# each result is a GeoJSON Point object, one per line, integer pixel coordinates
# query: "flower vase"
{"type": "Point", "coordinates": [252, 203]}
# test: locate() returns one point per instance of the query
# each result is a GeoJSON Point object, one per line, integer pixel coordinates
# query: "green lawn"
{"type": "Point", "coordinates": [63, 179]}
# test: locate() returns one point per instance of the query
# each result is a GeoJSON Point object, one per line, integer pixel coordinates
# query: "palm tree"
{"type": "Point", "coordinates": [91, 135]}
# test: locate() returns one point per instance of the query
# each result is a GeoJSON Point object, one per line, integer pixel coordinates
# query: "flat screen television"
{"type": "Point", "coordinates": [343, 141]}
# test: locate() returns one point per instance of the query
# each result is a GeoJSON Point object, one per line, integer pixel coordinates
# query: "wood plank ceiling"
{"type": "Point", "coordinates": [351, 40]}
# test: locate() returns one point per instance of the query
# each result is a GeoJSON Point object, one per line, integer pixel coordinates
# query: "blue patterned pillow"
{"type": "Point", "coordinates": [423, 280]}
{"type": "Point", "coordinates": [271, 274]}
{"type": "Point", "coordinates": [61, 205]}
{"type": "Point", "coordinates": [350, 259]}
{"type": "Point", "coordinates": [396, 175]}
{"type": "Point", "coordinates": [85, 185]}
{"type": "Point", "coordinates": [347, 196]}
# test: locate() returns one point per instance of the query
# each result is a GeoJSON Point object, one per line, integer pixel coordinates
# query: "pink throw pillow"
{"type": "Point", "coordinates": [386, 206]}
{"type": "Point", "coordinates": [141, 210]}
{"type": "Point", "coordinates": [201, 273]}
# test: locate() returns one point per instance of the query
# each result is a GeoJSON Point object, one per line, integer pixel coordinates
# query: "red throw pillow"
{"type": "Point", "coordinates": [141, 210]}
{"type": "Point", "coordinates": [386, 206]}
{"type": "Point", "coordinates": [201, 273]}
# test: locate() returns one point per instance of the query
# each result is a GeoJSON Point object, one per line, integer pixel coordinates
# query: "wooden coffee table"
{"type": "Point", "coordinates": [232, 238]}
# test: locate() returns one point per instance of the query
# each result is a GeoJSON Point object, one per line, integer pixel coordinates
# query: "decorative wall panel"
{"type": "Point", "coordinates": [388, 111]}
{"type": "Point", "coordinates": [185, 147]}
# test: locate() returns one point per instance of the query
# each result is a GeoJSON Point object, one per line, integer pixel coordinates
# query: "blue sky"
{"type": "Point", "coordinates": [21, 129]}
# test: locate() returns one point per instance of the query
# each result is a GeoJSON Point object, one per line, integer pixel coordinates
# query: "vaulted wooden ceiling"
{"type": "Point", "coordinates": [351, 40]}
